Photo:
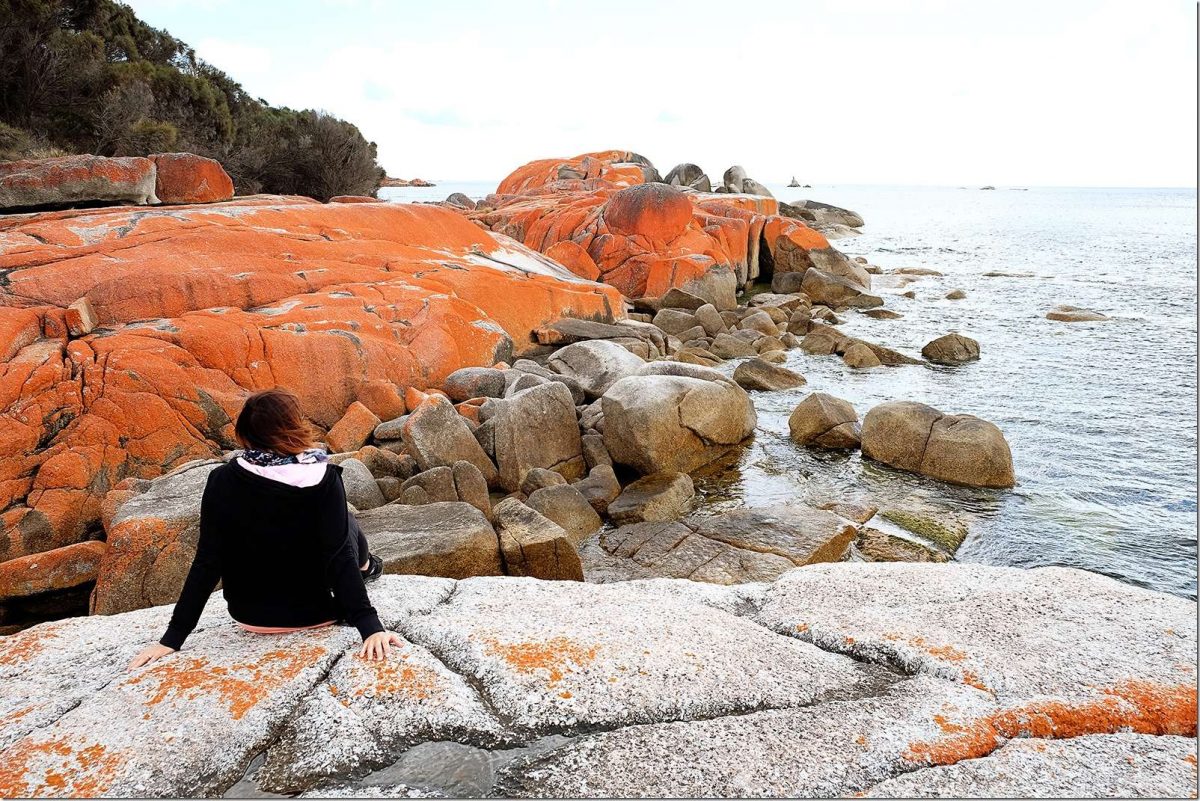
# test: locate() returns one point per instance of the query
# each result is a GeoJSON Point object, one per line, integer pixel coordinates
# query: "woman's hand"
{"type": "Point", "coordinates": [150, 654]}
{"type": "Point", "coordinates": [379, 646]}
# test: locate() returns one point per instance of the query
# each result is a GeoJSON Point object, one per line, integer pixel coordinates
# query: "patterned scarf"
{"type": "Point", "coordinates": [272, 459]}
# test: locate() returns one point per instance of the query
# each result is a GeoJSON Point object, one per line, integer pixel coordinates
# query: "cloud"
{"type": "Point", "coordinates": [1024, 93]}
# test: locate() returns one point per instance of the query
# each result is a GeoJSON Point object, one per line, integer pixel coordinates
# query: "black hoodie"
{"type": "Point", "coordinates": [283, 553]}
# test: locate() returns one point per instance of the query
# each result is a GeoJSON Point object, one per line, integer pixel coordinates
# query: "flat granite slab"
{"type": "Point", "coordinates": [838, 679]}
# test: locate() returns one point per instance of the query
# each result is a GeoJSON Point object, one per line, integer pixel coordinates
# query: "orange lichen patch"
{"type": "Point", "coordinates": [59, 569]}
{"type": "Point", "coordinates": [570, 255]}
{"type": "Point", "coordinates": [34, 768]}
{"type": "Point", "coordinates": [554, 657]}
{"type": "Point", "coordinates": [801, 628]}
{"type": "Point", "coordinates": [565, 694]}
{"type": "Point", "coordinates": [948, 652]}
{"type": "Point", "coordinates": [972, 679]}
{"type": "Point", "coordinates": [1138, 706]}
{"type": "Point", "coordinates": [240, 686]}
{"type": "Point", "coordinates": [959, 741]}
{"type": "Point", "coordinates": [18, 649]}
{"type": "Point", "coordinates": [945, 653]}
{"type": "Point", "coordinates": [395, 678]}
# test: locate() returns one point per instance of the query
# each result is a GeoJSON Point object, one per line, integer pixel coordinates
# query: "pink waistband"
{"type": "Point", "coordinates": [282, 629]}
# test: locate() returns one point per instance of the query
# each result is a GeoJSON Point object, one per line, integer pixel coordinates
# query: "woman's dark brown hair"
{"type": "Point", "coordinates": [271, 420]}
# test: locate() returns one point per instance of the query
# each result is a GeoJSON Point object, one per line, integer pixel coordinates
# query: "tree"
{"type": "Point", "coordinates": [119, 109]}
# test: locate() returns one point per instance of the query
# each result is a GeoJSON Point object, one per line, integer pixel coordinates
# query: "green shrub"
{"type": "Point", "coordinates": [88, 76]}
{"type": "Point", "coordinates": [150, 136]}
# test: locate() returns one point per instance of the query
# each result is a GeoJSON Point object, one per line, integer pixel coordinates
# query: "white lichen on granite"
{"type": "Point", "coordinates": [567, 656]}
{"type": "Point", "coordinates": [834, 679]}
{"type": "Point", "coordinates": [1060, 648]}
{"type": "Point", "coordinates": [1094, 766]}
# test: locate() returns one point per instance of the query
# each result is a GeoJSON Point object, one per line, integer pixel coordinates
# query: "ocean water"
{"type": "Point", "coordinates": [1101, 417]}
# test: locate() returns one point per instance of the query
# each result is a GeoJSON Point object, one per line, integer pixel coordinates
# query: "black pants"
{"type": "Point", "coordinates": [358, 542]}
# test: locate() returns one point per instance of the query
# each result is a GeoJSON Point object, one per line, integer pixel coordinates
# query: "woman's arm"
{"type": "Point", "coordinates": [201, 579]}
{"type": "Point", "coordinates": [342, 569]}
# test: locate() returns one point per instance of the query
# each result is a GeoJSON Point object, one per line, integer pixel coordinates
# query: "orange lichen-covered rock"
{"type": "Point", "coordinates": [353, 430]}
{"type": "Point", "coordinates": [643, 239]}
{"type": "Point", "coordinates": [69, 180]}
{"type": "Point", "coordinates": [620, 167]}
{"type": "Point", "coordinates": [644, 236]}
{"type": "Point", "coordinates": [195, 307]}
{"type": "Point", "coordinates": [152, 532]}
{"type": "Point", "coordinates": [188, 178]}
{"type": "Point", "coordinates": [655, 211]}
{"type": "Point", "coordinates": [574, 258]}
{"type": "Point", "coordinates": [60, 569]}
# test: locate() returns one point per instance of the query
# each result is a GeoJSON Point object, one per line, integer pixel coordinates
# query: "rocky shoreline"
{"type": "Point", "coordinates": [522, 387]}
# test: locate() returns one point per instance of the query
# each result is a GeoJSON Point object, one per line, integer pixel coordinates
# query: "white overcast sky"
{"type": "Point", "coordinates": [1053, 92]}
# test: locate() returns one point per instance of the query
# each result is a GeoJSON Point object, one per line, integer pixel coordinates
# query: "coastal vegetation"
{"type": "Point", "coordinates": [88, 76]}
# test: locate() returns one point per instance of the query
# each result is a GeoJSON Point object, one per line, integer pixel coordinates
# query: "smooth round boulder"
{"type": "Point", "coordinates": [674, 417]}
{"type": "Point", "coordinates": [567, 506]}
{"type": "Point", "coordinates": [361, 490]}
{"type": "Point", "coordinates": [655, 211]}
{"type": "Point", "coordinates": [860, 356]}
{"type": "Point", "coordinates": [822, 340]}
{"type": "Point", "coordinates": [710, 320]}
{"type": "Point", "coordinates": [958, 449]}
{"type": "Point", "coordinates": [450, 539]}
{"type": "Point", "coordinates": [675, 321]}
{"type": "Point", "coordinates": [761, 375]}
{"type": "Point", "coordinates": [459, 200]}
{"type": "Point", "coordinates": [657, 497]}
{"type": "Point", "coordinates": [951, 349]}
{"type": "Point", "coordinates": [836, 291]}
{"type": "Point", "coordinates": [727, 346]}
{"type": "Point", "coordinates": [689, 175]}
{"type": "Point", "coordinates": [534, 545]}
{"type": "Point", "coordinates": [474, 382]}
{"type": "Point", "coordinates": [595, 365]}
{"type": "Point", "coordinates": [823, 421]}
{"type": "Point", "coordinates": [733, 178]}
{"type": "Point", "coordinates": [759, 321]}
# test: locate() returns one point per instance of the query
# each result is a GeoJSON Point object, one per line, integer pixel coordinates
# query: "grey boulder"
{"type": "Point", "coordinates": [959, 449]}
{"type": "Point", "coordinates": [453, 540]}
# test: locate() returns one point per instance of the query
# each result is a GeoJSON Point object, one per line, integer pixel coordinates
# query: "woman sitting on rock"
{"type": "Point", "coordinates": [275, 529]}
